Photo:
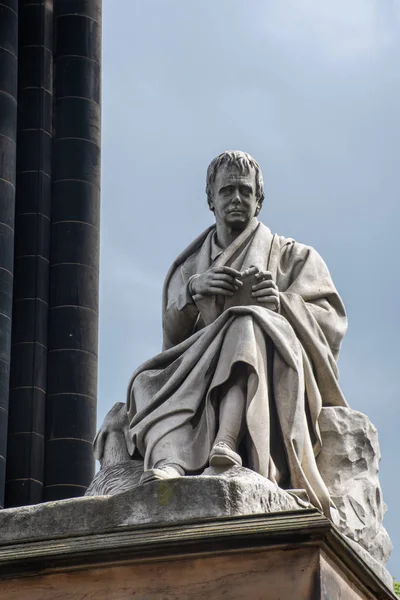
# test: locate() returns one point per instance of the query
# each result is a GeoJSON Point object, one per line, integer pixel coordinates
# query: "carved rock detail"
{"type": "Point", "coordinates": [349, 464]}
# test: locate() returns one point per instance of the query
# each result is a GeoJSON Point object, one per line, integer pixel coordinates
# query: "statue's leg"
{"type": "Point", "coordinates": [232, 410]}
{"type": "Point", "coordinates": [164, 455]}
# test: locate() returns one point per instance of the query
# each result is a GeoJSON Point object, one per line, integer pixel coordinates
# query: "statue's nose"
{"type": "Point", "coordinates": [236, 198]}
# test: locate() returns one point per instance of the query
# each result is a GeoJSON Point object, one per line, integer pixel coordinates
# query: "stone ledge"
{"type": "Point", "coordinates": [239, 492]}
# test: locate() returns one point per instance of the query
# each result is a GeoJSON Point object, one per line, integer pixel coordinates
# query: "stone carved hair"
{"type": "Point", "coordinates": [243, 162]}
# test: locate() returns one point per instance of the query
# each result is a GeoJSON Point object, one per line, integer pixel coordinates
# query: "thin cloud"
{"type": "Point", "coordinates": [343, 30]}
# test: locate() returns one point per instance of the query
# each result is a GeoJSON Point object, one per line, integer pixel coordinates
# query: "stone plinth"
{"type": "Point", "coordinates": [279, 556]}
{"type": "Point", "coordinates": [233, 536]}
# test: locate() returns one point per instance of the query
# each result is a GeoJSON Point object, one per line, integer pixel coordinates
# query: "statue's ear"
{"type": "Point", "coordinates": [98, 444]}
{"type": "Point", "coordinates": [129, 443]}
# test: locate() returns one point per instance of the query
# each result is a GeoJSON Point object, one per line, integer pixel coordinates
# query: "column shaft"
{"type": "Point", "coordinates": [74, 258]}
{"type": "Point", "coordinates": [26, 429]}
{"type": "Point", "coordinates": [8, 135]}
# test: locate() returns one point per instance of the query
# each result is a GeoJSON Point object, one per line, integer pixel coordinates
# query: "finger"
{"type": "Point", "coordinates": [223, 277]}
{"type": "Point", "coordinates": [264, 292]}
{"type": "Point", "coordinates": [249, 271]}
{"type": "Point", "coordinates": [266, 283]}
{"type": "Point", "coordinates": [273, 301]}
{"type": "Point", "coordinates": [217, 291]}
{"type": "Point", "coordinates": [220, 283]}
{"type": "Point", "coordinates": [230, 271]}
{"type": "Point", "coordinates": [264, 275]}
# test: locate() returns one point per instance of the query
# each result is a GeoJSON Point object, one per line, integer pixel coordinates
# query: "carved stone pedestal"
{"type": "Point", "coordinates": [293, 555]}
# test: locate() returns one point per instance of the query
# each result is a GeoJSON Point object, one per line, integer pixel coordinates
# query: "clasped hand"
{"type": "Point", "coordinates": [225, 281]}
{"type": "Point", "coordinates": [265, 290]}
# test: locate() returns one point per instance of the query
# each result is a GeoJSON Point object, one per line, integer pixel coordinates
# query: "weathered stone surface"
{"type": "Point", "coordinates": [349, 464]}
{"type": "Point", "coordinates": [237, 492]}
{"type": "Point", "coordinates": [239, 575]}
{"type": "Point", "coordinates": [212, 495]}
{"type": "Point", "coordinates": [301, 572]}
{"type": "Point", "coordinates": [377, 567]}
{"type": "Point", "coordinates": [295, 554]}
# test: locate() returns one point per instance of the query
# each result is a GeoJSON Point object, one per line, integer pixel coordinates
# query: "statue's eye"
{"type": "Point", "coordinates": [227, 190]}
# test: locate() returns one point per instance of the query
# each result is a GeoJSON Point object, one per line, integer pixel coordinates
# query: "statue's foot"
{"type": "Point", "coordinates": [223, 455]}
{"type": "Point", "coordinates": [163, 472]}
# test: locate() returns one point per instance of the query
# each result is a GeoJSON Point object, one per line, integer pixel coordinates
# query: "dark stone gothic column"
{"type": "Point", "coordinates": [26, 428]}
{"type": "Point", "coordinates": [74, 262]}
{"type": "Point", "coordinates": [8, 133]}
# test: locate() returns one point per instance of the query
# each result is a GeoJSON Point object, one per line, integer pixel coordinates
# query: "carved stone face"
{"type": "Point", "coordinates": [234, 199]}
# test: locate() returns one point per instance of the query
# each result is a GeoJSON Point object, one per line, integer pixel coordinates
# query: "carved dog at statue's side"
{"type": "Point", "coordinates": [113, 448]}
{"type": "Point", "coordinates": [112, 444]}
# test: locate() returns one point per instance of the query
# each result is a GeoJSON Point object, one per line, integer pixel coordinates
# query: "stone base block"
{"type": "Point", "coordinates": [293, 555]}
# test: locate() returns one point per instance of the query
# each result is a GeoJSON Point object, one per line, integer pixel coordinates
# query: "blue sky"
{"type": "Point", "coordinates": [311, 90]}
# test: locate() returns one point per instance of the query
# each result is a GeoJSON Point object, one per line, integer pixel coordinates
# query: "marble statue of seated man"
{"type": "Point", "coordinates": [252, 326]}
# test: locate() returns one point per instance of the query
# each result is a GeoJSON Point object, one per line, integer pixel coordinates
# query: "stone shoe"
{"type": "Point", "coordinates": [221, 455]}
{"type": "Point", "coordinates": [163, 472]}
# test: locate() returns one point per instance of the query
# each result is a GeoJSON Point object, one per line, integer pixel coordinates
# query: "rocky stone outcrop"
{"type": "Point", "coordinates": [349, 464]}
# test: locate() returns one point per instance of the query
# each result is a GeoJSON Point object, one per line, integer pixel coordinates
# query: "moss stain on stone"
{"type": "Point", "coordinates": [164, 493]}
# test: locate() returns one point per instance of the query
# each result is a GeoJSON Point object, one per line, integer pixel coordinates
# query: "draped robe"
{"type": "Point", "coordinates": [290, 358]}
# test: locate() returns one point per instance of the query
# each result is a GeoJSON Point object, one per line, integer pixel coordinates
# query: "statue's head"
{"type": "Point", "coordinates": [243, 164]}
{"type": "Point", "coordinates": [235, 189]}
